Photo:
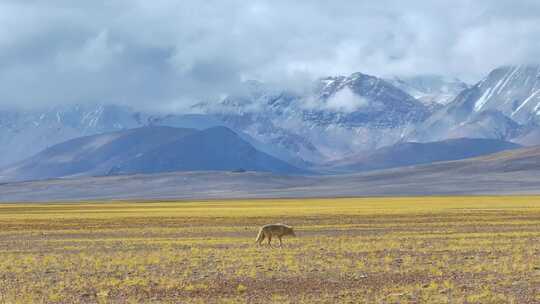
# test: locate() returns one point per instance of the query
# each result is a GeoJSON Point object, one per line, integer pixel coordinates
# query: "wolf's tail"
{"type": "Point", "coordinates": [260, 236]}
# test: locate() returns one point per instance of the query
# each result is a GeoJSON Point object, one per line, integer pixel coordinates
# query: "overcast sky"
{"type": "Point", "coordinates": [156, 52]}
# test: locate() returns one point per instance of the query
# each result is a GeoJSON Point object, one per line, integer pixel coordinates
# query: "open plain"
{"type": "Point", "coordinates": [483, 249]}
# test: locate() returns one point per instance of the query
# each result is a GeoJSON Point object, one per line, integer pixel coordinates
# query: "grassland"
{"type": "Point", "coordinates": [379, 250]}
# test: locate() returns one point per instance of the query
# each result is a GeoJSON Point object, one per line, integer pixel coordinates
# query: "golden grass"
{"type": "Point", "coordinates": [368, 250]}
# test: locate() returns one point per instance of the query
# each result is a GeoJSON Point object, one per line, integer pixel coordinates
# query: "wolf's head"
{"type": "Point", "coordinates": [290, 231]}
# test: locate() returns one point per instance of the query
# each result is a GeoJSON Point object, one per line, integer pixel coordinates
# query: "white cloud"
{"type": "Point", "coordinates": [94, 55]}
{"type": "Point", "coordinates": [345, 101]}
{"type": "Point", "coordinates": [150, 52]}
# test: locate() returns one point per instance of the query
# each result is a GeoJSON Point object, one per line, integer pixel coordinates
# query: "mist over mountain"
{"type": "Point", "coordinates": [338, 116]}
{"type": "Point", "coordinates": [433, 90]}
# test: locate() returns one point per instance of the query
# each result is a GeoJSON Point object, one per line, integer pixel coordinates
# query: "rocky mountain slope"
{"type": "Point", "coordinates": [339, 116]}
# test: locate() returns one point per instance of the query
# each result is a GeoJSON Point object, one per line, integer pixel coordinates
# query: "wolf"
{"type": "Point", "coordinates": [278, 230]}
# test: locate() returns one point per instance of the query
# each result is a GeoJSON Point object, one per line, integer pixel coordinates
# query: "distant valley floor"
{"type": "Point", "coordinates": [451, 178]}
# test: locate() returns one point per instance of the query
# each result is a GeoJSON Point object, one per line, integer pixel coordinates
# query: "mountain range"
{"type": "Point", "coordinates": [508, 172]}
{"type": "Point", "coordinates": [341, 123]}
{"type": "Point", "coordinates": [336, 117]}
{"type": "Point", "coordinates": [150, 149]}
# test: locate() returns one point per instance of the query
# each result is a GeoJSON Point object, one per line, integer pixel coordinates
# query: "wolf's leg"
{"type": "Point", "coordinates": [259, 242]}
{"type": "Point", "coordinates": [280, 242]}
{"type": "Point", "coordinates": [269, 240]}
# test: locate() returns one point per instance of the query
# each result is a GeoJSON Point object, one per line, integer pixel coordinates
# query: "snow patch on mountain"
{"type": "Point", "coordinates": [512, 90]}
{"type": "Point", "coordinates": [503, 105]}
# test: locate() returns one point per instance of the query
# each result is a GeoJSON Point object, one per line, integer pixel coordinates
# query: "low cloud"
{"type": "Point", "coordinates": [94, 55]}
{"type": "Point", "coordinates": [345, 101]}
{"type": "Point", "coordinates": [169, 54]}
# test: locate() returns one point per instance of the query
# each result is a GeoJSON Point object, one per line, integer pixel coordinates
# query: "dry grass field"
{"type": "Point", "coordinates": [372, 250]}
